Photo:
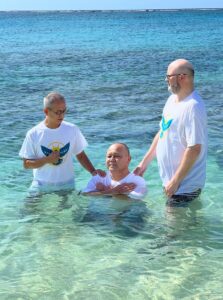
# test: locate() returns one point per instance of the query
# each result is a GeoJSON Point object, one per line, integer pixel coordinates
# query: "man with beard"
{"type": "Point", "coordinates": [181, 143]}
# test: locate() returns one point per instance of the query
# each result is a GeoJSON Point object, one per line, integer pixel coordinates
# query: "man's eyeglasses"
{"type": "Point", "coordinates": [172, 75]}
{"type": "Point", "coordinates": [59, 112]}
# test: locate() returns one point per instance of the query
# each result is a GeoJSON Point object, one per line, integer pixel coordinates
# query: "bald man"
{"type": "Point", "coordinates": [181, 143]}
{"type": "Point", "coordinates": [118, 180]}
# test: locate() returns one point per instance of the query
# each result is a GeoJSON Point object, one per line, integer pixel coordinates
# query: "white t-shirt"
{"type": "Point", "coordinates": [40, 141]}
{"type": "Point", "coordinates": [138, 193]}
{"type": "Point", "coordinates": [183, 124]}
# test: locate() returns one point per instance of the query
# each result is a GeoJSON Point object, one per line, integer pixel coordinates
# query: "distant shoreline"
{"type": "Point", "coordinates": [114, 10]}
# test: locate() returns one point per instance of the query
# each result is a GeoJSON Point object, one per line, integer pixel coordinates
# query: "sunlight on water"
{"type": "Point", "coordinates": [111, 68]}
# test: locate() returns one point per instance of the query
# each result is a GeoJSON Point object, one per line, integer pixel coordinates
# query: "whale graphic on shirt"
{"type": "Point", "coordinates": [63, 151]}
{"type": "Point", "coordinates": [165, 125]}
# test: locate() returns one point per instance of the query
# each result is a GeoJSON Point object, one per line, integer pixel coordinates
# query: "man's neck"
{"type": "Point", "coordinates": [50, 125]}
{"type": "Point", "coordinates": [183, 94]}
{"type": "Point", "coordinates": [119, 175]}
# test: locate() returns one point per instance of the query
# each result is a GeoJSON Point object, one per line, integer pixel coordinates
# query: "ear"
{"type": "Point", "coordinates": [46, 111]}
{"type": "Point", "coordinates": [129, 159]}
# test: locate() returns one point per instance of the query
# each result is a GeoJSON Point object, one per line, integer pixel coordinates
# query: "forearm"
{"type": "Point", "coordinates": [189, 158]}
{"type": "Point", "coordinates": [151, 152]}
{"type": "Point", "coordinates": [85, 162]}
{"type": "Point", "coordinates": [35, 163]}
{"type": "Point", "coordinates": [52, 158]}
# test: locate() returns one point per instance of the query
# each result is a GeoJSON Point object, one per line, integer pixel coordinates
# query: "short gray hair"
{"type": "Point", "coordinates": [51, 98]}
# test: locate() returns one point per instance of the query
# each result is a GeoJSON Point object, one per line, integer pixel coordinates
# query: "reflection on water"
{"type": "Point", "coordinates": [117, 249]}
{"type": "Point", "coordinates": [122, 217]}
{"type": "Point", "coordinates": [183, 218]}
{"type": "Point", "coordinates": [127, 217]}
{"type": "Point", "coordinates": [36, 206]}
{"type": "Point", "coordinates": [73, 247]}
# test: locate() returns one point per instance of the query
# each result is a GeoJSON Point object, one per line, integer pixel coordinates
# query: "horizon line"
{"type": "Point", "coordinates": [113, 10]}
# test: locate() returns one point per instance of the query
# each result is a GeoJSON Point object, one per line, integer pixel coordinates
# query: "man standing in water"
{"type": "Point", "coordinates": [181, 143]}
{"type": "Point", "coordinates": [49, 147]}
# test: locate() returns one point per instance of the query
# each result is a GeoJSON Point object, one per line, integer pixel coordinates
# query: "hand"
{"type": "Point", "coordinates": [53, 157]}
{"type": "Point", "coordinates": [101, 187]}
{"type": "Point", "coordinates": [98, 172]}
{"type": "Point", "coordinates": [139, 171]}
{"type": "Point", "coordinates": [171, 188]}
{"type": "Point", "coordinates": [124, 188]}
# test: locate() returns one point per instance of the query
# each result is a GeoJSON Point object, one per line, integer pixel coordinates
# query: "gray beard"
{"type": "Point", "coordinates": [174, 89]}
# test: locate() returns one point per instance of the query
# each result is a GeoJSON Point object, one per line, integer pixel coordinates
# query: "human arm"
{"type": "Point", "coordinates": [101, 189]}
{"type": "Point", "coordinates": [151, 153]}
{"type": "Point", "coordinates": [86, 163]}
{"type": "Point", "coordinates": [189, 158]}
{"type": "Point", "coordinates": [140, 189]}
{"type": "Point", "coordinates": [52, 158]}
{"type": "Point", "coordinates": [121, 189]}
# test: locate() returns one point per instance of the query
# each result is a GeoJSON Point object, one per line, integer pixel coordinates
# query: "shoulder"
{"type": "Point", "coordinates": [137, 179]}
{"type": "Point", "coordinates": [39, 127]}
{"type": "Point", "coordinates": [68, 124]}
{"type": "Point", "coordinates": [98, 179]}
{"type": "Point", "coordinates": [195, 100]}
{"type": "Point", "coordinates": [169, 103]}
{"type": "Point", "coordinates": [71, 126]}
{"type": "Point", "coordinates": [196, 105]}
{"type": "Point", "coordinates": [169, 100]}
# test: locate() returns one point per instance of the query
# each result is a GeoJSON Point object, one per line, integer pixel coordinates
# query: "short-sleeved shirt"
{"type": "Point", "coordinates": [183, 124]}
{"type": "Point", "coordinates": [138, 193]}
{"type": "Point", "coordinates": [40, 141]}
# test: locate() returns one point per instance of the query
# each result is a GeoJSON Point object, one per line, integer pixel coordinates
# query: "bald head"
{"type": "Point", "coordinates": [180, 78]}
{"type": "Point", "coordinates": [118, 158]}
{"type": "Point", "coordinates": [181, 66]}
{"type": "Point", "coordinates": [120, 146]}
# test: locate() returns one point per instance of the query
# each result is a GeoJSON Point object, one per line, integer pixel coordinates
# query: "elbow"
{"type": "Point", "coordinates": [25, 164]}
{"type": "Point", "coordinates": [196, 150]}
{"type": "Point", "coordinates": [80, 155]}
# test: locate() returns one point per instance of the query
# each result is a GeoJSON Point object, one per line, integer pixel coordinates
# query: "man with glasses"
{"type": "Point", "coordinates": [181, 143]}
{"type": "Point", "coordinates": [49, 147]}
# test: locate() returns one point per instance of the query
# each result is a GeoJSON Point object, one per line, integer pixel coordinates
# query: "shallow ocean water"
{"type": "Point", "coordinates": [111, 68]}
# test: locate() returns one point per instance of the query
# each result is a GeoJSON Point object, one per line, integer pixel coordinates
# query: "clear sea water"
{"type": "Point", "coordinates": [111, 67]}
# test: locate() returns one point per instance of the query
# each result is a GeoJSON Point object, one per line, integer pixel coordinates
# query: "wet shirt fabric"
{"type": "Point", "coordinates": [138, 193]}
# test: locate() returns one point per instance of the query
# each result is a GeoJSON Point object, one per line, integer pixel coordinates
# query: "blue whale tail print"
{"type": "Point", "coordinates": [165, 125]}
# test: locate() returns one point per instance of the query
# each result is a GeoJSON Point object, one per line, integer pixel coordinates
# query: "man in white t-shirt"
{"type": "Point", "coordinates": [181, 143]}
{"type": "Point", "coordinates": [49, 148]}
{"type": "Point", "coordinates": [118, 180]}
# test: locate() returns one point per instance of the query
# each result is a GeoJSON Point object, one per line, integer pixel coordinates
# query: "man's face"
{"type": "Point", "coordinates": [56, 112]}
{"type": "Point", "coordinates": [172, 80]}
{"type": "Point", "coordinates": [117, 158]}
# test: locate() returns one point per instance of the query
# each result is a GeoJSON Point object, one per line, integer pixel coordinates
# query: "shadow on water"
{"type": "Point", "coordinates": [125, 218]}
{"type": "Point", "coordinates": [181, 219]}
{"type": "Point", "coordinates": [160, 226]}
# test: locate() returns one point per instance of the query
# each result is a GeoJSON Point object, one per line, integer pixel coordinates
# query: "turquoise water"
{"type": "Point", "coordinates": [111, 68]}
